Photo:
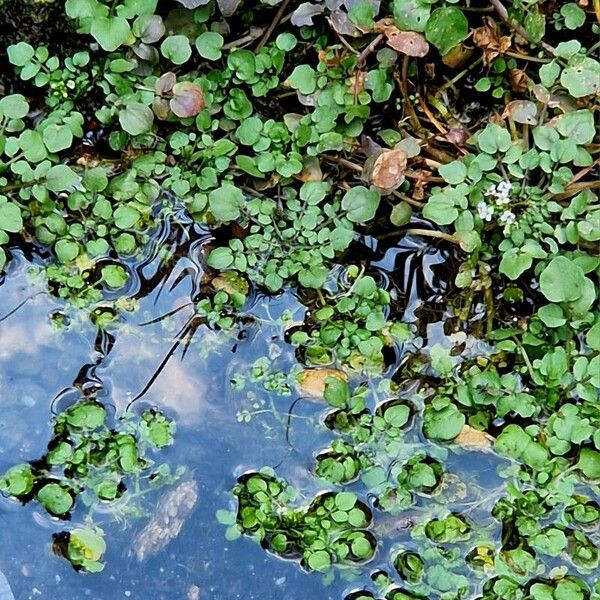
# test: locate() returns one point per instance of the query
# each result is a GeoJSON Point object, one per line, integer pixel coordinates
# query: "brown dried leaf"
{"type": "Point", "coordinates": [388, 169]}
{"type": "Point", "coordinates": [408, 42]}
{"type": "Point", "coordinates": [312, 170]}
{"type": "Point", "coordinates": [519, 82]}
{"type": "Point", "coordinates": [490, 41]}
{"type": "Point", "coordinates": [473, 439]}
{"type": "Point", "coordinates": [311, 382]}
{"type": "Point", "coordinates": [457, 57]}
{"type": "Point", "coordinates": [188, 99]}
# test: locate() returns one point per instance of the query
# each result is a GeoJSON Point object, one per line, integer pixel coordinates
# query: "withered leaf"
{"type": "Point", "coordinates": [473, 439]}
{"type": "Point", "coordinates": [388, 169]}
{"type": "Point", "coordinates": [312, 381]}
{"type": "Point", "coordinates": [409, 43]}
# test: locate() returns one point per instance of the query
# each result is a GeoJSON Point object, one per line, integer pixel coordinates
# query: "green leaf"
{"type": "Point", "coordinates": [411, 15]}
{"type": "Point", "coordinates": [446, 28]}
{"type": "Point", "coordinates": [304, 79]}
{"type": "Point", "coordinates": [345, 500]}
{"type": "Point", "coordinates": [401, 214]}
{"type": "Point", "coordinates": [444, 424]}
{"type": "Point", "coordinates": [110, 32]}
{"type": "Point", "coordinates": [514, 263]}
{"type": "Point", "coordinates": [114, 276]}
{"type": "Point", "coordinates": [209, 45]}
{"type": "Point", "coordinates": [360, 204]}
{"type": "Point", "coordinates": [66, 250]}
{"type": "Point", "coordinates": [220, 258]}
{"type": "Point", "coordinates": [18, 480]}
{"type": "Point", "coordinates": [85, 415]}
{"type": "Point", "coordinates": [126, 216]}
{"type": "Point", "coordinates": [562, 280]}
{"type": "Point", "coordinates": [319, 561]}
{"type": "Point", "coordinates": [225, 202]}
{"type": "Point", "coordinates": [55, 499]}
{"type": "Point", "coordinates": [577, 125]}
{"type": "Point", "coordinates": [176, 48]}
{"type": "Point", "coordinates": [10, 217]}
{"type": "Point", "coordinates": [589, 463]}
{"type": "Point", "coordinates": [573, 15]}
{"type": "Point", "coordinates": [493, 138]}
{"type": "Point", "coordinates": [581, 77]}
{"type": "Point", "coordinates": [57, 137]}
{"type": "Point", "coordinates": [337, 392]}
{"type": "Point", "coordinates": [14, 106]}
{"type": "Point", "coordinates": [136, 118]}
{"type": "Point", "coordinates": [535, 25]}
{"type": "Point", "coordinates": [454, 172]}
{"type": "Point", "coordinates": [20, 54]}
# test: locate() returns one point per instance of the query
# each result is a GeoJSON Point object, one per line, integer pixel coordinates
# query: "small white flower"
{"type": "Point", "coordinates": [507, 217]}
{"type": "Point", "coordinates": [504, 188]}
{"type": "Point", "coordinates": [491, 191]}
{"type": "Point", "coordinates": [485, 212]}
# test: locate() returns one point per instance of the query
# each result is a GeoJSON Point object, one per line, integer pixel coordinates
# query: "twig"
{"type": "Point", "coordinates": [274, 23]}
{"type": "Point", "coordinates": [423, 233]}
{"type": "Point", "coordinates": [362, 57]}
{"type": "Point", "coordinates": [342, 38]}
{"type": "Point", "coordinates": [342, 161]}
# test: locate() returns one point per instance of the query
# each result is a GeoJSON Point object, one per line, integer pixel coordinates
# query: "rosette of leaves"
{"type": "Point", "coordinates": [330, 531]}
{"type": "Point", "coordinates": [350, 327]}
{"type": "Point", "coordinates": [288, 241]}
{"type": "Point", "coordinates": [86, 457]}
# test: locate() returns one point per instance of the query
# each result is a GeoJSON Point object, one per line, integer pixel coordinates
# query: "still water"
{"type": "Point", "coordinates": [45, 367]}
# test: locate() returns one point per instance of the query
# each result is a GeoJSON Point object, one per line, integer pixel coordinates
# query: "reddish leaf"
{"type": "Point", "coordinates": [188, 99]}
{"type": "Point", "coordinates": [408, 42]}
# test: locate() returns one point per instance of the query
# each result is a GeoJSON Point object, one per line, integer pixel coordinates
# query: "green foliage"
{"type": "Point", "coordinates": [330, 530]}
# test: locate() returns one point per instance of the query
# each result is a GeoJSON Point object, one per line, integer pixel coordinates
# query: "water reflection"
{"type": "Point", "coordinates": [43, 367]}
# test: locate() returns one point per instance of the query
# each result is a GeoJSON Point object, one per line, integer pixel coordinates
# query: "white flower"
{"type": "Point", "coordinates": [491, 191]}
{"type": "Point", "coordinates": [504, 188]}
{"type": "Point", "coordinates": [507, 217]}
{"type": "Point", "coordinates": [485, 212]}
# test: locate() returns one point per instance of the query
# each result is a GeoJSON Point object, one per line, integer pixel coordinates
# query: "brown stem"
{"type": "Point", "coordinates": [274, 23]}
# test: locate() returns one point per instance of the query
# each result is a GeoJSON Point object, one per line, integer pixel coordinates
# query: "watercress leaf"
{"type": "Point", "coordinates": [209, 45]}
{"type": "Point", "coordinates": [360, 204]}
{"type": "Point", "coordinates": [225, 202]}
{"type": "Point", "coordinates": [411, 15]}
{"type": "Point", "coordinates": [136, 118]}
{"type": "Point", "coordinates": [446, 28]}
{"type": "Point", "coordinates": [10, 217]}
{"type": "Point", "coordinates": [176, 48]}
{"type": "Point", "coordinates": [562, 280]}
{"type": "Point", "coordinates": [55, 499]}
{"type": "Point", "coordinates": [110, 32]}
{"type": "Point", "coordinates": [454, 172]}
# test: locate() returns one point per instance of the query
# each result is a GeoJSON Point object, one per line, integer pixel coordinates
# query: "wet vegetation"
{"type": "Point", "coordinates": [398, 200]}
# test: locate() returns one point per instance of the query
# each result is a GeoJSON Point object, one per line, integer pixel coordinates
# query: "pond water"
{"type": "Point", "coordinates": [49, 357]}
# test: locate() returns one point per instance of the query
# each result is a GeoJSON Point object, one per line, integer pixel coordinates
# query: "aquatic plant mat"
{"type": "Point", "coordinates": [298, 300]}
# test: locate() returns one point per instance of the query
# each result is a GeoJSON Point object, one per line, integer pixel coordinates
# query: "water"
{"type": "Point", "coordinates": [45, 367]}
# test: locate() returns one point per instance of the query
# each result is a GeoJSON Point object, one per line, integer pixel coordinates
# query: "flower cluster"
{"type": "Point", "coordinates": [500, 197]}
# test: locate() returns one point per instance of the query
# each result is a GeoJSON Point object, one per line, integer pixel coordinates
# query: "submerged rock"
{"type": "Point", "coordinates": [170, 515]}
{"type": "Point", "coordinates": [5, 591]}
